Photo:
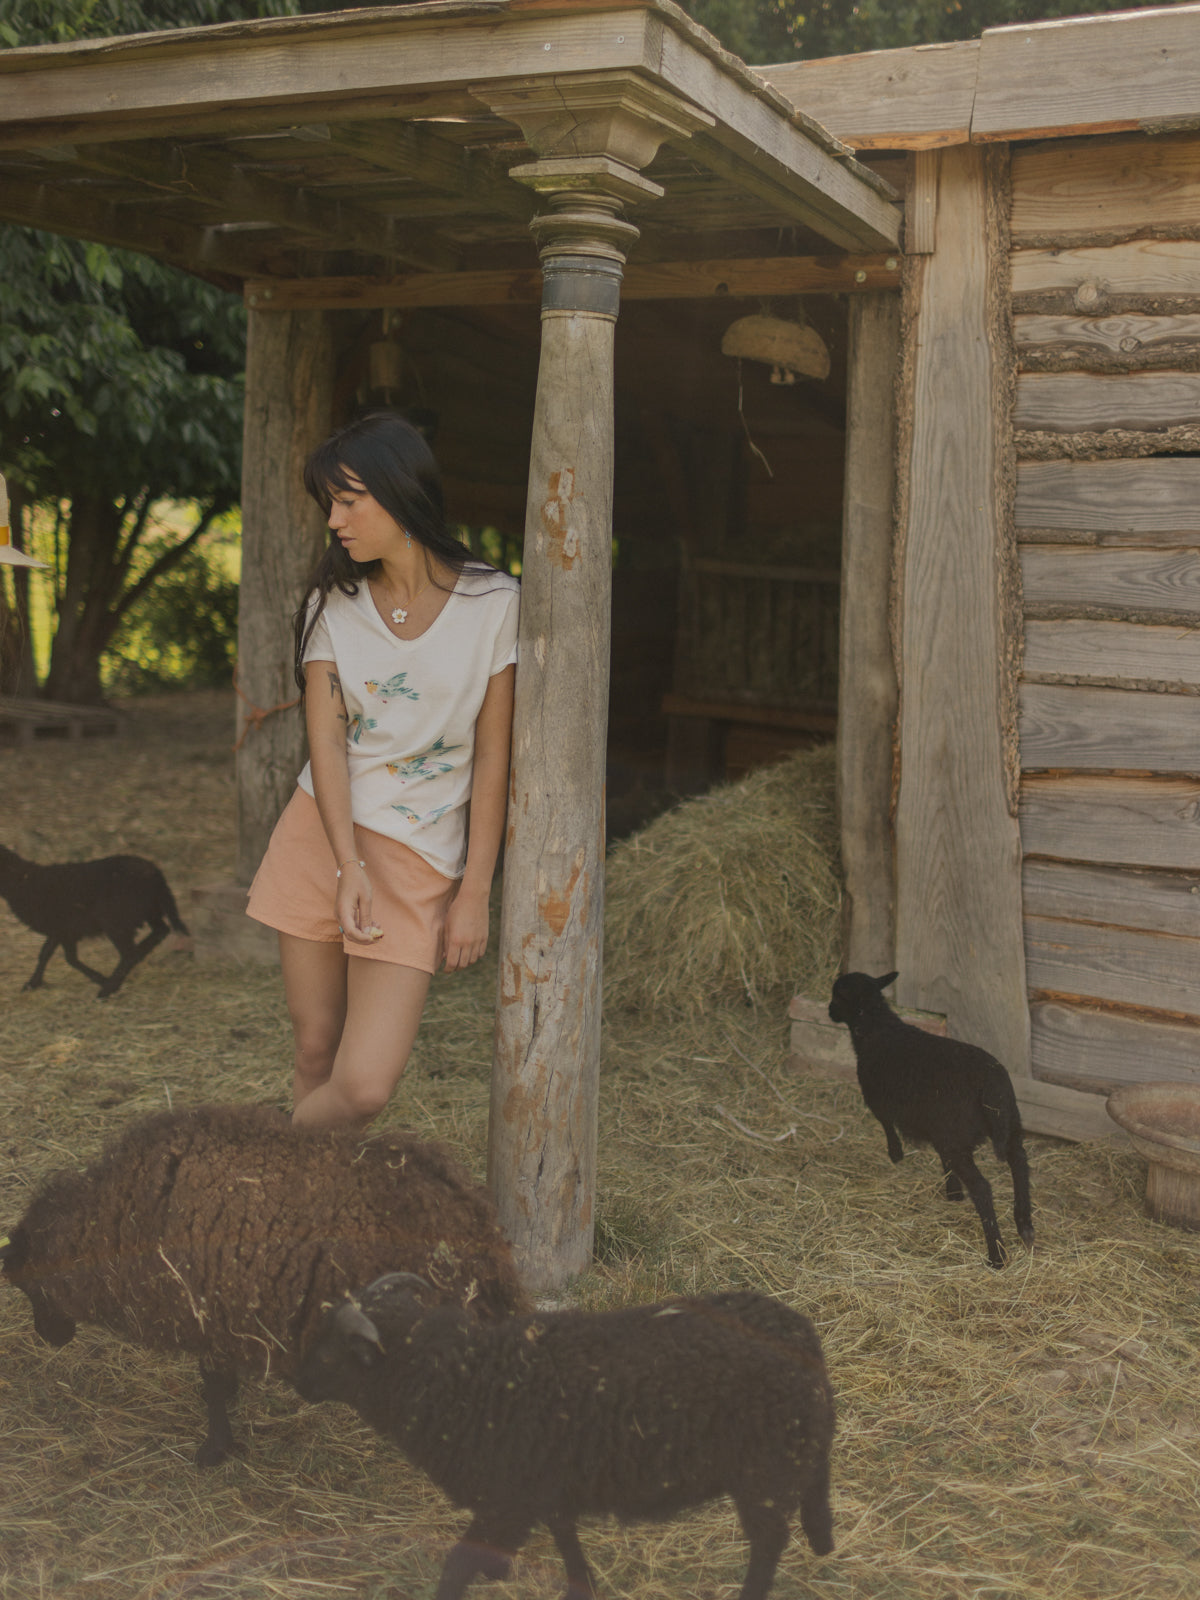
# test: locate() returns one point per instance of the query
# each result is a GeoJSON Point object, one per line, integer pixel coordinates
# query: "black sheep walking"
{"type": "Point", "coordinates": [940, 1092]}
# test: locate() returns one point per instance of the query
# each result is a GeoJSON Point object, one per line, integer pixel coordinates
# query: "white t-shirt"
{"type": "Point", "coordinates": [412, 705]}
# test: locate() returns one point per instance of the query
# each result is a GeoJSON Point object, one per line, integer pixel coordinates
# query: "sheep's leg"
{"type": "Point", "coordinates": [39, 972]}
{"type": "Point", "coordinates": [70, 950]}
{"type": "Point", "coordinates": [484, 1551]}
{"type": "Point", "coordinates": [816, 1517]}
{"type": "Point", "coordinates": [219, 1386]}
{"type": "Point", "coordinates": [962, 1164]}
{"type": "Point", "coordinates": [1018, 1163]}
{"type": "Point", "coordinates": [895, 1148]}
{"type": "Point", "coordinates": [131, 954]}
{"type": "Point", "coordinates": [766, 1527]}
{"type": "Point", "coordinates": [954, 1188]}
{"type": "Point", "coordinates": [580, 1583]}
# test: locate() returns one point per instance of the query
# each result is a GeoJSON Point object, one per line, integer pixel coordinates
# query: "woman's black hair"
{"type": "Point", "coordinates": [393, 462]}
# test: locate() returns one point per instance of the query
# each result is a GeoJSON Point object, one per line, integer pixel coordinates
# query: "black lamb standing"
{"type": "Point", "coordinates": [72, 900]}
{"type": "Point", "coordinates": [635, 1413]}
{"type": "Point", "coordinates": [941, 1092]}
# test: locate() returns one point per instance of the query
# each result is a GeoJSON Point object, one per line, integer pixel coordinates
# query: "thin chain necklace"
{"type": "Point", "coordinates": [399, 614]}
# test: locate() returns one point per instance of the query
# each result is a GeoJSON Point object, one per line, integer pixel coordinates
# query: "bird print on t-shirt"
{"type": "Point", "coordinates": [392, 689]}
{"type": "Point", "coordinates": [425, 765]}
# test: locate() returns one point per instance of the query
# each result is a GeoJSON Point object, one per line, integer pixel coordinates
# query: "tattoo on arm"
{"type": "Point", "coordinates": [335, 693]}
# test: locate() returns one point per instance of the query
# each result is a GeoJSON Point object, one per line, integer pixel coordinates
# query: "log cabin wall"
{"type": "Point", "coordinates": [1105, 267]}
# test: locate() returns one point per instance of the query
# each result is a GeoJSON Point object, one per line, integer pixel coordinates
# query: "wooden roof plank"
{"type": "Point", "coordinates": [1128, 70]}
{"type": "Point", "coordinates": [917, 98]}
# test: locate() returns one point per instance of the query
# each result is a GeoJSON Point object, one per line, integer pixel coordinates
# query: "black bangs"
{"type": "Point", "coordinates": [325, 474]}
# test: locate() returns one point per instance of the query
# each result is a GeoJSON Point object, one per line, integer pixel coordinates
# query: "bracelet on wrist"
{"type": "Point", "coordinates": [352, 862]}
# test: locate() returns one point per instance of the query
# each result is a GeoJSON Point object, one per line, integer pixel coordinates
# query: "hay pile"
{"type": "Point", "coordinates": [733, 897]}
{"type": "Point", "coordinates": [1032, 1434]}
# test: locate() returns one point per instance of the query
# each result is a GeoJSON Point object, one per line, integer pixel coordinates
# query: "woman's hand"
{"type": "Point", "coordinates": [466, 933]}
{"type": "Point", "coordinates": [353, 904]}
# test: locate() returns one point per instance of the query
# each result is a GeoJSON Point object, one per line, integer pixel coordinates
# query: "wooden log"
{"type": "Point", "coordinates": [1075, 650]}
{"type": "Point", "coordinates": [1142, 822]}
{"type": "Point", "coordinates": [1072, 402]}
{"type": "Point", "coordinates": [867, 689]}
{"type": "Point", "coordinates": [1156, 496]}
{"type": "Point", "coordinates": [1062, 1113]}
{"type": "Point", "coordinates": [1093, 1049]}
{"type": "Point", "coordinates": [1048, 342]}
{"type": "Point", "coordinates": [1113, 276]}
{"type": "Point", "coordinates": [289, 389]}
{"type": "Point", "coordinates": [958, 921]}
{"type": "Point", "coordinates": [1122, 897]}
{"type": "Point", "coordinates": [1143, 581]}
{"type": "Point", "coordinates": [1123, 966]}
{"type": "Point", "coordinates": [1110, 730]}
{"type": "Point", "coordinates": [1087, 73]}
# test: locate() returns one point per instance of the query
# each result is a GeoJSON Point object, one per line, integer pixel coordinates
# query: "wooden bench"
{"type": "Point", "coordinates": [34, 721]}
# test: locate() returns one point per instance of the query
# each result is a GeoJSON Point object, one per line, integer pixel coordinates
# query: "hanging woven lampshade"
{"type": "Point", "coordinates": [789, 348]}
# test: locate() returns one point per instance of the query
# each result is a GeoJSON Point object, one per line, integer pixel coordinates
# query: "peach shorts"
{"type": "Point", "coordinates": [294, 887]}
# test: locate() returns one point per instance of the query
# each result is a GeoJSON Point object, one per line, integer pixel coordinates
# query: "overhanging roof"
{"type": "Point", "coordinates": [364, 142]}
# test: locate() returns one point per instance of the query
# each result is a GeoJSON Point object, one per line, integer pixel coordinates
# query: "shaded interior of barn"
{"type": "Point", "coordinates": [726, 517]}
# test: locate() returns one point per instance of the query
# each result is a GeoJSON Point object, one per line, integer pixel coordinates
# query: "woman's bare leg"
{"type": "Point", "coordinates": [314, 982]}
{"type": "Point", "coordinates": [382, 1013]}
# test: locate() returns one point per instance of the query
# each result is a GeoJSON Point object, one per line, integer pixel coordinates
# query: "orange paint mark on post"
{"type": "Point", "coordinates": [558, 526]}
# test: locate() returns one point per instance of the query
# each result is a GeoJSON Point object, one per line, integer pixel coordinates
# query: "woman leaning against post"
{"type": "Point", "coordinates": [381, 864]}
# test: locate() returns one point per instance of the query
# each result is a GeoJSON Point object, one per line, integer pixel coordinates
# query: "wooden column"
{"type": "Point", "coordinates": [593, 132]}
{"type": "Point", "coordinates": [867, 692]}
{"type": "Point", "coordinates": [959, 944]}
{"type": "Point", "coordinates": [289, 388]}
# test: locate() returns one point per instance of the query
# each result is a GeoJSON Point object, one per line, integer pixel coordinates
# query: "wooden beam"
{"type": "Point", "coordinates": [1060, 343]}
{"type": "Point", "coordinates": [958, 902]}
{"type": "Point", "coordinates": [416, 152]}
{"type": "Point", "coordinates": [237, 194]}
{"type": "Point", "coordinates": [1106, 190]}
{"type": "Point", "coordinates": [1080, 650]}
{"type": "Point", "coordinates": [1160, 495]}
{"type": "Point", "coordinates": [664, 280]}
{"type": "Point", "coordinates": [867, 689]}
{"type": "Point", "coordinates": [1106, 730]}
{"type": "Point", "coordinates": [1100, 1050]}
{"type": "Point", "coordinates": [1136, 69]}
{"type": "Point", "coordinates": [1120, 966]}
{"type": "Point", "coordinates": [1098, 278]}
{"type": "Point", "coordinates": [1147, 822]}
{"type": "Point", "coordinates": [1083, 402]}
{"type": "Point", "coordinates": [917, 98]}
{"type": "Point", "coordinates": [1130, 580]}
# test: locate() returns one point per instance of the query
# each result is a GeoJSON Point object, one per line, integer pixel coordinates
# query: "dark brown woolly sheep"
{"type": "Point", "coordinates": [637, 1413]}
{"type": "Point", "coordinates": [222, 1231]}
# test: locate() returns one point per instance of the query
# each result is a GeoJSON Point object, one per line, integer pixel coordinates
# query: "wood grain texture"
{"type": "Point", "coordinates": [289, 399]}
{"type": "Point", "coordinates": [1065, 1113]}
{"type": "Point", "coordinates": [958, 935]}
{"type": "Point", "coordinates": [1153, 582]}
{"type": "Point", "coordinates": [1120, 966]}
{"type": "Point", "coordinates": [1077, 402]}
{"type": "Point", "coordinates": [1100, 1050]}
{"type": "Point", "coordinates": [867, 689]}
{"type": "Point", "coordinates": [911, 99]}
{"type": "Point", "coordinates": [1121, 730]}
{"type": "Point", "coordinates": [1155, 902]}
{"type": "Point", "coordinates": [1160, 495]}
{"type": "Point", "coordinates": [1048, 342]}
{"type": "Point", "coordinates": [1141, 267]}
{"type": "Point", "coordinates": [665, 280]}
{"type": "Point", "coordinates": [1106, 652]}
{"type": "Point", "coordinates": [1116, 187]}
{"type": "Point", "coordinates": [1139, 822]}
{"type": "Point", "coordinates": [1087, 73]}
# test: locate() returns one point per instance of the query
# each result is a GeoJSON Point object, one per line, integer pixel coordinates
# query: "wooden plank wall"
{"type": "Point", "coordinates": [1106, 320]}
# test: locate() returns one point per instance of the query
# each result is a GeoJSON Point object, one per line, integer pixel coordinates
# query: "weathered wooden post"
{"type": "Point", "coordinates": [542, 1139]}
{"type": "Point", "coordinates": [289, 389]}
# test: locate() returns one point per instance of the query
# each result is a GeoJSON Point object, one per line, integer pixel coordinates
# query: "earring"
{"type": "Point", "coordinates": [408, 538]}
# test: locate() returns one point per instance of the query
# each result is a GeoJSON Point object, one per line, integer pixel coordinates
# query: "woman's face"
{"type": "Point", "coordinates": [367, 532]}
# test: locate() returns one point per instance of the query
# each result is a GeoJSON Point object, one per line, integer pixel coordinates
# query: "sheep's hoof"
{"type": "Point", "coordinates": [211, 1452]}
{"type": "Point", "coordinates": [1027, 1234]}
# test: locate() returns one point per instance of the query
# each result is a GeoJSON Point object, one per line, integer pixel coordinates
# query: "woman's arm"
{"type": "Point", "coordinates": [327, 720]}
{"type": "Point", "coordinates": [467, 918]}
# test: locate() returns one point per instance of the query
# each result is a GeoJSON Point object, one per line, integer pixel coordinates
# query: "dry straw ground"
{"type": "Point", "coordinates": [1031, 1434]}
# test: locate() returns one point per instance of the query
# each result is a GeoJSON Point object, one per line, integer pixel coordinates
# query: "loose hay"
{"type": "Point", "coordinates": [1032, 1434]}
{"type": "Point", "coordinates": [732, 897]}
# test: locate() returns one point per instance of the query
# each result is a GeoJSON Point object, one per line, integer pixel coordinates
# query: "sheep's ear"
{"type": "Point", "coordinates": [356, 1327]}
{"type": "Point", "coordinates": [14, 1250]}
{"type": "Point", "coordinates": [886, 981]}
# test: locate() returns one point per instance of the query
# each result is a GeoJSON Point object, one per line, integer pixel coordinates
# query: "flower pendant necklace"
{"type": "Point", "coordinates": [399, 614]}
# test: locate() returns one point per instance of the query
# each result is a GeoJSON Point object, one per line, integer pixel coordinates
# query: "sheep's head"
{"type": "Point", "coordinates": [49, 1322]}
{"type": "Point", "coordinates": [855, 994]}
{"type": "Point", "coordinates": [347, 1345]}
